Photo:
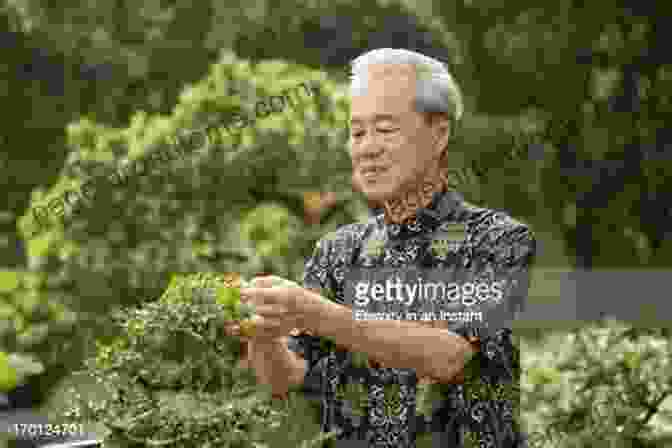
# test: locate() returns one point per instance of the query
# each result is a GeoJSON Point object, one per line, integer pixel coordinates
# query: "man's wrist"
{"type": "Point", "coordinates": [315, 309]}
{"type": "Point", "coordinates": [268, 344]}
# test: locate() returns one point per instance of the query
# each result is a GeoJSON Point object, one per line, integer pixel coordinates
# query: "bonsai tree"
{"type": "Point", "coordinates": [173, 375]}
{"type": "Point", "coordinates": [189, 191]}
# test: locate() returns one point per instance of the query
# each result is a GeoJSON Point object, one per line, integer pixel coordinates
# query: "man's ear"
{"type": "Point", "coordinates": [444, 129]}
{"type": "Point", "coordinates": [441, 127]}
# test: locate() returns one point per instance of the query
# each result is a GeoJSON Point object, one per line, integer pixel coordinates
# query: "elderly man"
{"type": "Point", "coordinates": [404, 106]}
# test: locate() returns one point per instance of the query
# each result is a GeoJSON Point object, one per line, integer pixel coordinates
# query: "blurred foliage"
{"type": "Point", "coordinates": [29, 320]}
{"type": "Point", "coordinates": [14, 368]}
{"type": "Point", "coordinates": [217, 208]}
{"type": "Point", "coordinates": [604, 385]}
{"type": "Point", "coordinates": [106, 60]}
{"type": "Point", "coordinates": [166, 214]}
{"type": "Point", "coordinates": [609, 60]}
{"type": "Point", "coordinates": [35, 322]}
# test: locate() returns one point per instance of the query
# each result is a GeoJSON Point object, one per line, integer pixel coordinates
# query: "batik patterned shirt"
{"type": "Point", "coordinates": [480, 411]}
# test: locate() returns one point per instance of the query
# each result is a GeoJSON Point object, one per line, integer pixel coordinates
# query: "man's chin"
{"type": "Point", "coordinates": [379, 194]}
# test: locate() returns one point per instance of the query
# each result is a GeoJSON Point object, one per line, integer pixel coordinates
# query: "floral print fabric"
{"type": "Point", "coordinates": [480, 412]}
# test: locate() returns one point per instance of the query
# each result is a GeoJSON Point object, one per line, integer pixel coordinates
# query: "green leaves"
{"type": "Point", "coordinates": [230, 298]}
{"type": "Point", "coordinates": [428, 395]}
{"type": "Point", "coordinates": [272, 229]}
{"type": "Point", "coordinates": [246, 310]}
{"type": "Point", "coordinates": [177, 371]}
{"type": "Point", "coordinates": [118, 249]}
{"type": "Point", "coordinates": [14, 368]}
{"type": "Point", "coordinates": [598, 383]}
{"type": "Point", "coordinates": [360, 360]}
{"type": "Point", "coordinates": [356, 394]}
{"type": "Point", "coordinates": [36, 328]}
{"type": "Point", "coordinates": [632, 359]}
{"type": "Point", "coordinates": [9, 280]}
{"type": "Point", "coordinates": [544, 375]}
{"type": "Point", "coordinates": [9, 378]}
{"type": "Point", "coordinates": [228, 295]}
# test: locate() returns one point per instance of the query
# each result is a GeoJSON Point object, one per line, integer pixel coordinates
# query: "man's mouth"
{"type": "Point", "coordinates": [372, 172]}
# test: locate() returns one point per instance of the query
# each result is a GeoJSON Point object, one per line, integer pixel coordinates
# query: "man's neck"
{"type": "Point", "coordinates": [419, 195]}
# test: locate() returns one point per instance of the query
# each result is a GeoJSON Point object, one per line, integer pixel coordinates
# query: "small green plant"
{"type": "Point", "coordinates": [173, 374]}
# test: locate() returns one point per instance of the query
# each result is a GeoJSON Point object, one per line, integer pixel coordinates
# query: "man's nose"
{"type": "Point", "coordinates": [368, 148]}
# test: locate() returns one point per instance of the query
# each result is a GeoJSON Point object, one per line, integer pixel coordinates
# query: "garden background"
{"type": "Point", "coordinates": [566, 113]}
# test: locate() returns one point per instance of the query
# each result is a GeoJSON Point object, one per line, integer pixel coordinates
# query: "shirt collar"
{"type": "Point", "coordinates": [444, 205]}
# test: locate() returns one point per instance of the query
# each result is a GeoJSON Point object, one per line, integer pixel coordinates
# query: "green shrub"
{"type": "Point", "coordinates": [173, 374]}
{"type": "Point", "coordinates": [36, 325]}
{"type": "Point", "coordinates": [131, 219]}
{"type": "Point", "coordinates": [603, 385]}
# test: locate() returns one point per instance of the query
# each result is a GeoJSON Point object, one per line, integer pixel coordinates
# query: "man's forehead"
{"type": "Point", "coordinates": [386, 107]}
{"type": "Point", "coordinates": [356, 119]}
{"type": "Point", "coordinates": [391, 80]}
{"type": "Point", "coordinates": [389, 92]}
{"type": "Point", "coordinates": [391, 70]}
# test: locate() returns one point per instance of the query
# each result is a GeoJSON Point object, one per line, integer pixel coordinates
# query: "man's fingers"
{"type": "Point", "coordinates": [271, 281]}
{"type": "Point", "coordinates": [263, 282]}
{"type": "Point", "coordinates": [258, 296]}
{"type": "Point", "coordinates": [232, 329]}
{"type": "Point", "coordinates": [259, 328]}
{"type": "Point", "coordinates": [271, 311]}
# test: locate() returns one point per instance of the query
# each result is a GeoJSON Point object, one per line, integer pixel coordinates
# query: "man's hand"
{"type": "Point", "coordinates": [435, 353]}
{"type": "Point", "coordinates": [265, 350]}
{"type": "Point", "coordinates": [275, 300]}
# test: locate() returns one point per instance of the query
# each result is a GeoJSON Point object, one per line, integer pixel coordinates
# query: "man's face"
{"type": "Point", "coordinates": [389, 135]}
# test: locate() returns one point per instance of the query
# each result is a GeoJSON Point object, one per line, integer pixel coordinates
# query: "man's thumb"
{"type": "Point", "coordinates": [264, 282]}
{"type": "Point", "coordinates": [271, 281]}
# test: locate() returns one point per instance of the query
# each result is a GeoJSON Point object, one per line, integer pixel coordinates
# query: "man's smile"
{"type": "Point", "coordinates": [373, 171]}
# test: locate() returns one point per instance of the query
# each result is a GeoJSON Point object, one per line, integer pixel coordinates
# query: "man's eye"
{"type": "Point", "coordinates": [387, 131]}
{"type": "Point", "coordinates": [357, 134]}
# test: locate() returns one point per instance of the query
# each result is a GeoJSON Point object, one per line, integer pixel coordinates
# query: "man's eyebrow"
{"type": "Point", "coordinates": [376, 117]}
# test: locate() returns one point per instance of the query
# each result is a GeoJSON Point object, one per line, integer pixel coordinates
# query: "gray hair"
{"type": "Point", "coordinates": [437, 91]}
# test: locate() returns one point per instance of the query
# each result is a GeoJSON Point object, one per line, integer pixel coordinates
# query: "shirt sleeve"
{"type": "Point", "coordinates": [492, 375]}
{"type": "Point", "coordinates": [314, 349]}
{"type": "Point", "coordinates": [504, 260]}
{"type": "Point", "coordinates": [499, 272]}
